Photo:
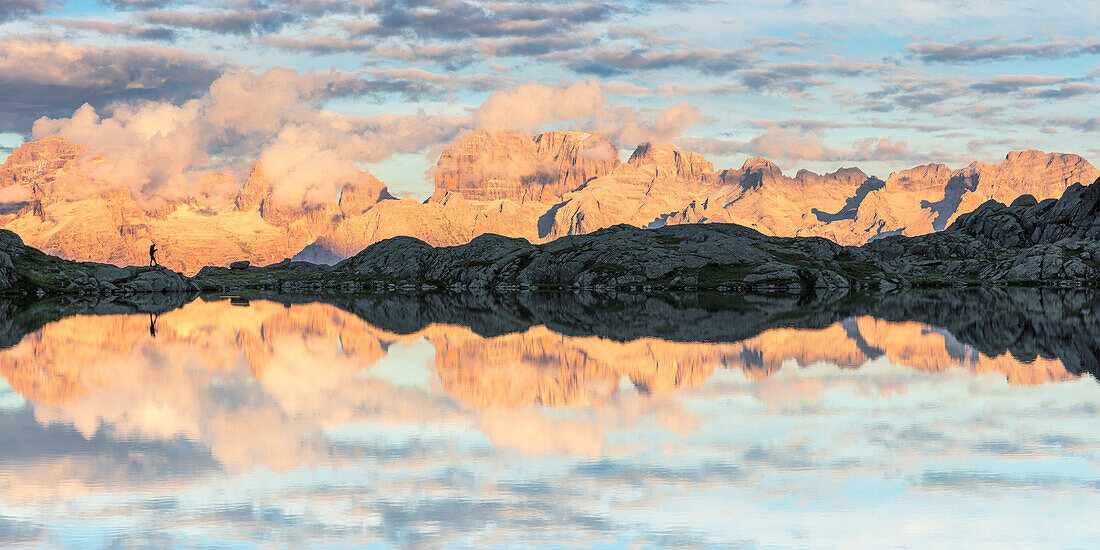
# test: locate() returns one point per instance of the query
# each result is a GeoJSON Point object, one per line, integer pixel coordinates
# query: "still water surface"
{"type": "Point", "coordinates": [239, 424]}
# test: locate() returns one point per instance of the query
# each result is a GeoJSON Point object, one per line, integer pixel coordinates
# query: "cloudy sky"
{"type": "Point", "coordinates": [185, 88]}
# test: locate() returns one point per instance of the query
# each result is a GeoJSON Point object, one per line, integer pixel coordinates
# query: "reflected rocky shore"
{"type": "Point", "coordinates": [584, 340]}
{"type": "Point", "coordinates": [1029, 323]}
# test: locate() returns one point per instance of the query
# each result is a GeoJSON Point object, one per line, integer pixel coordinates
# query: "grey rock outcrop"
{"type": "Point", "coordinates": [703, 256]}
{"type": "Point", "coordinates": [29, 271]}
{"type": "Point", "coordinates": [1050, 241]}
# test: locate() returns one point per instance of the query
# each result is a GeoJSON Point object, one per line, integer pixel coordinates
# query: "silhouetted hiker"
{"type": "Point", "coordinates": [153, 255]}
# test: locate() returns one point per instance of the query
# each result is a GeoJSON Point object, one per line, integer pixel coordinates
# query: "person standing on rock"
{"type": "Point", "coordinates": [153, 255]}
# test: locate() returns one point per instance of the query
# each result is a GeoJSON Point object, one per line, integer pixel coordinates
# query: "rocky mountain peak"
{"type": "Point", "coordinates": [763, 165]}
{"type": "Point", "coordinates": [510, 165]}
{"type": "Point", "coordinates": [355, 197]}
{"type": "Point", "coordinates": [851, 173]}
{"type": "Point", "coordinates": [1031, 159]}
{"type": "Point", "coordinates": [578, 156]}
{"type": "Point", "coordinates": [36, 158]}
{"type": "Point", "coordinates": [671, 162]}
{"type": "Point", "coordinates": [256, 189]}
{"type": "Point", "coordinates": [920, 177]}
{"type": "Point", "coordinates": [358, 196]}
{"type": "Point", "coordinates": [1026, 156]}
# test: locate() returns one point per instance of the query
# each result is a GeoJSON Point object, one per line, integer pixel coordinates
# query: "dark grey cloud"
{"type": "Point", "coordinates": [452, 53]}
{"type": "Point", "coordinates": [999, 49]}
{"type": "Point", "coordinates": [450, 56]}
{"type": "Point", "coordinates": [44, 77]}
{"type": "Point", "coordinates": [797, 77]}
{"type": "Point", "coordinates": [303, 8]}
{"type": "Point", "coordinates": [530, 46]}
{"type": "Point", "coordinates": [361, 29]}
{"type": "Point", "coordinates": [461, 19]}
{"type": "Point", "coordinates": [791, 77]}
{"type": "Point", "coordinates": [1013, 83]}
{"type": "Point", "coordinates": [116, 29]}
{"type": "Point", "coordinates": [910, 125]}
{"type": "Point", "coordinates": [645, 35]}
{"type": "Point", "coordinates": [911, 92]}
{"type": "Point", "coordinates": [137, 4]}
{"type": "Point", "coordinates": [1083, 124]}
{"type": "Point", "coordinates": [805, 124]}
{"type": "Point", "coordinates": [317, 8]}
{"type": "Point", "coordinates": [955, 95]}
{"type": "Point", "coordinates": [321, 45]}
{"type": "Point", "coordinates": [613, 61]}
{"type": "Point", "coordinates": [11, 10]}
{"type": "Point", "coordinates": [909, 98]}
{"type": "Point", "coordinates": [1035, 87]}
{"type": "Point", "coordinates": [412, 90]}
{"type": "Point", "coordinates": [478, 82]}
{"type": "Point", "coordinates": [1065, 91]}
{"type": "Point", "coordinates": [242, 21]}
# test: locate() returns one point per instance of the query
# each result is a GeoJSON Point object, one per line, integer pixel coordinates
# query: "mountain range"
{"type": "Point", "coordinates": [534, 187]}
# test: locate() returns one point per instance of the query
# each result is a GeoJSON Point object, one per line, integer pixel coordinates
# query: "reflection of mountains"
{"type": "Point", "coordinates": [556, 349]}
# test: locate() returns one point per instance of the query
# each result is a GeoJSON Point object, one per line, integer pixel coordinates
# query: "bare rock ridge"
{"type": "Point", "coordinates": [1056, 241]}
{"type": "Point", "coordinates": [537, 188]}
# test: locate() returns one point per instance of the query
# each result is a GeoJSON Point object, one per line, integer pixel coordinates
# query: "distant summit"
{"type": "Point", "coordinates": [317, 253]}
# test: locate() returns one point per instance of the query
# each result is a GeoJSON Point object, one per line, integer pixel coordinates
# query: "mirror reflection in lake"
{"type": "Point", "coordinates": [965, 419]}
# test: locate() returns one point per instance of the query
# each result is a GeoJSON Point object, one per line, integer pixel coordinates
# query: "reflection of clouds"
{"type": "Point", "coordinates": [44, 462]}
{"type": "Point", "coordinates": [15, 533]}
{"type": "Point", "coordinates": [306, 426]}
{"type": "Point", "coordinates": [536, 433]}
{"type": "Point", "coordinates": [970, 480]}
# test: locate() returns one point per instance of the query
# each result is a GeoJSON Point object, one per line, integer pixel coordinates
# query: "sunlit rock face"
{"type": "Point", "coordinates": [656, 181]}
{"type": "Point", "coordinates": [758, 195]}
{"type": "Point", "coordinates": [34, 162]}
{"type": "Point", "coordinates": [509, 165]}
{"type": "Point", "coordinates": [851, 207]}
{"type": "Point", "coordinates": [534, 187]}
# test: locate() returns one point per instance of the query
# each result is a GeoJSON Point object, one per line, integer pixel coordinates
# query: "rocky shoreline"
{"type": "Point", "coordinates": [29, 271]}
{"type": "Point", "coordinates": [1055, 242]}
